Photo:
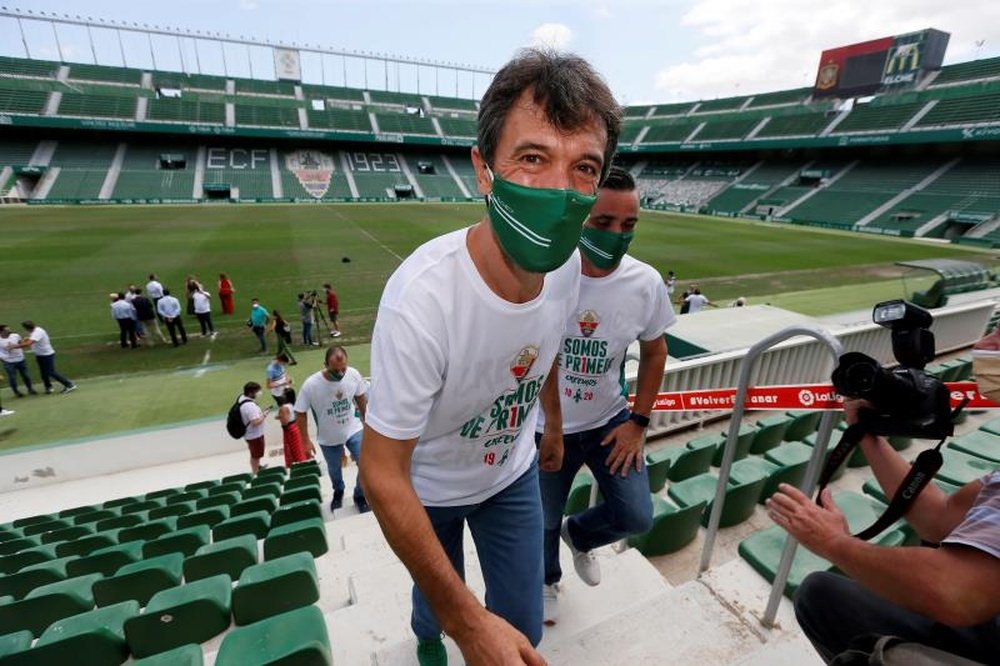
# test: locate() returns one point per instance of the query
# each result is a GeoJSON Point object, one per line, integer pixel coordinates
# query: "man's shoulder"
{"type": "Point", "coordinates": [421, 272]}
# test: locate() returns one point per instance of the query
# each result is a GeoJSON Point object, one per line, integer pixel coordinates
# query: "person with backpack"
{"type": "Point", "coordinates": [246, 420]}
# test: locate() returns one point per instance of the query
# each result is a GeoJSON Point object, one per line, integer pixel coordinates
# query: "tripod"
{"type": "Point", "coordinates": [320, 316]}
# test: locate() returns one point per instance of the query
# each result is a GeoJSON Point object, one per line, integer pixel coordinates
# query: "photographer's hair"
{"type": "Point", "coordinates": [565, 86]}
{"type": "Point", "coordinates": [327, 286]}
{"type": "Point", "coordinates": [250, 388]}
{"type": "Point", "coordinates": [289, 396]}
{"type": "Point", "coordinates": [166, 292]}
{"type": "Point", "coordinates": [619, 180]}
{"type": "Point", "coordinates": [332, 351]}
{"type": "Point", "coordinates": [301, 296]}
{"type": "Point", "coordinates": [28, 325]}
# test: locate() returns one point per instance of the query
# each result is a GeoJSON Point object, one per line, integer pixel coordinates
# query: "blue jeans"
{"type": "Point", "coordinates": [259, 332]}
{"type": "Point", "coordinates": [307, 333]}
{"type": "Point", "coordinates": [15, 368]}
{"type": "Point", "coordinates": [627, 508]}
{"type": "Point", "coordinates": [833, 609]}
{"type": "Point", "coordinates": [47, 369]}
{"type": "Point", "coordinates": [507, 529]}
{"type": "Point", "coordinates": [333, 455]}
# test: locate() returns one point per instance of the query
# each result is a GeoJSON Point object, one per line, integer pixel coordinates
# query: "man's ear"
{"type": "Point", "coordinates": [482, 176]}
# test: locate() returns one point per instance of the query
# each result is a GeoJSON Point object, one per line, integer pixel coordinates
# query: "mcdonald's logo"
{"type": "Point", "coordinates": [903, 59]}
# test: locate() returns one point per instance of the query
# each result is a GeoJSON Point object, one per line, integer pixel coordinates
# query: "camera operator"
{"type": "Point", "coordinates": [944, 594]}
{"type": "Point", "coordinates": [307, 306]}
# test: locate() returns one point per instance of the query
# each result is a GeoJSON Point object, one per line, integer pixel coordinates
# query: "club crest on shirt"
{"type": "Point", "coordinates": [523, 361]}
{"type": "Point", "coordinates": [588, 322]}
{"type": "Point", "coordinates": [340, 395]}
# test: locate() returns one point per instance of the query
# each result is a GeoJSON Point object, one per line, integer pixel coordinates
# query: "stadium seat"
{"type": "Point", "coordinates": [242, 508]}
{"type": "Point", "coordinates": [47, 603]}
{"type": "Point", "coordinates": [45, 527]}
{"type": "Point", "coordinates": [305, 535]}
{"type": "Point", "coordinates": [16, 641]}
{"type": "Point", "coordinates": [176, 509]}
{"type": "Point", "coordinates": [130, 520]}
{"type": "Point", "coordinates": [657, 467]}
{"type": "Point", "coordinates": [256, 523]}
{"type": "Point", "coordinates": [270, 473]}
{"type": "Point", "coordinates": [293, 513]}
{"type": "Point", "coordinates": [66, 534]}
{"type": "Point", "coordinates": [106, 561]}
{"type": "Point", "coordinates": [753, 468]}
{"type": "Point", "coordinates": [762, 551]}
{"type": "Point", "coordinates": [305, 469]}
{"type": "Point", "coordinates": [202, 485]}
{"type": "Point", "coordinates": [740, 499]}
{"type": "Point", "coordinates": [579, 494]}
{"type": "Point", "coordinates": [263, 490]}
{"type": "Point", "coordinates": [120, 502]}
{"type": "Point", "coordinates": [979, 443]}
{"type": "Point", "coordinates": [14, 562]}
{"type": "Point", "coordinates": [695, 459]}
{"type": "Point", "coordinates": [190, 613]}
{"type": "Point", "coordinates": [185, 655]}
{"type": "Point", "coordinates": [185, 541]}
{"type": "Point", "coordinates": [834, 439]}
{"type": "Point", "coordinates": [93, 638]}
{"type": "Point", "coordinates": [148, 531]}
{"type": "Point", "coordinates": [18, 585]}
{"type": "Point", "coordinates": [189, 496]}
{"type": "Point", "coordinates": [88, 544]}
{"type": "Point", "coordinates": [802, 425]}
{"type": "Point", "coordinates": [770, 433]}
{"type": "Point", "coordinates": [297, 637]}
{"type": "Point", "coordinates": [143, 505]}
{"type": "Point", "coordinates": [140, 580]}
{"type": "Point", "coordinates": [211, 517]}
{"type": "Point", "coordinates": [301, 481]}
{"type": "Point", "coordinates": [960, 468]}
{"type": "Point", "coordinates": [229, 557]}
{"type": "Point", "coordinates": [33, 520]}
{"type": "Point", "coordinates": [992, 426]}
{"type": "Point", "coordinates": [306, 494]}
{"type": "Point", "coordinates": [95, 516]}
{"type": "Point", "coordinates": [16, 544]}
{"type": "Point", "coordinates": [225, 488]}
{"type": "Point", "coordinates": [162, 494]}
{"type": "Point", "coordinates": [219, 499]}
{"type": "Point", "coordinates": [743, 441]}
{"type": "Point", "coordinates": [243, 478]}
{"type": "Point", "coordinates": [274, 587]}
{"type": "Point", "coordinates": [75, 511]}
{"type": "Point", "coordinates": [673, 528]}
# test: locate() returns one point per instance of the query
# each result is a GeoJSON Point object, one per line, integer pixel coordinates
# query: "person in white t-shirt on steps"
{"type": "Point", "coordinates": [621, 300]}
{"type": "Point", "coordinates": [40, 345]}
{"type": "Point", "coordinates": [464, 351]}
{"type": "Point", "coordinates": [253, 418]}
{"type": "Point", "coordinates": [337, 398]}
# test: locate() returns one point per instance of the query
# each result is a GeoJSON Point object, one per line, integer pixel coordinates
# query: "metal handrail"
{"type": "Point", "coordinates": [812, 469]}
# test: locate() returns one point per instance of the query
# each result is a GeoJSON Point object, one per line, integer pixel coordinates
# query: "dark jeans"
{"type": "Point", "coordinates": [126, 333]}
{"type": "Point", "coordinates": [175, 326]}
{"type": "Point", "coordinates": [15, 368]}
{"type": "Point", "coordinates": [307, 333]}
{"type": "Point", "coordinates": [47, 369]}
{"type": "Point", "coordinates": [626, 509]}
{"type": "Point", "coordinates": [333, 455]}
{"type": "Point", "coordinates": [259, 332]}
{"type": "Point", "coordinates": [833, 609]}
{"type": "Point", "coordinates": [205, 319]}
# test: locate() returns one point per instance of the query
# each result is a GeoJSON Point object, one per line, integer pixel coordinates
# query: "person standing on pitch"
{"type": "Point", "coordinates": [203, 310]}
{"type": "Point", "coordinates": [259, 318]}
{"type": "Point", "coordinates": [124, 315]}
{"type": "Point", "coordinates": [621, 300]}
{"type": "Point", "coordinates": [464, 349]}
{"type": "Point", "coordinates": [332, 394]}
{"type": "Point", "coordinates": [155, 290]}
{"type": "Point", "coordinates": [170, 309]}
{"type": "Point", "coordinates": [226, 291]}
{"type": "Point", "coordinates": [45, 354]}
{"type": "Point", "coordinates": [332, 310]}
{"type": "Point", "coordinates": [14, 364]}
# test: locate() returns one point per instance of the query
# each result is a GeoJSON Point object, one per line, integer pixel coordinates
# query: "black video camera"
{"type": "Point", "coordinates": [907, 400]}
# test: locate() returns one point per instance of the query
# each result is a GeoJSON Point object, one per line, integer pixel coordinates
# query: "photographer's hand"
{"type": "Point", "coordinates": [818, 528]}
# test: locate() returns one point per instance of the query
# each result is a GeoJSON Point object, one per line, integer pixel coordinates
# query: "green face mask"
{"type": "Point", "coordinates": [538, 228]}
{"type": "Point", "coordinates": [604, 249]}
{"type": "Point", "coordinates": [334, 376]}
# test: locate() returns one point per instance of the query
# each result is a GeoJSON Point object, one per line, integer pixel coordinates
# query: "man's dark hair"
{"type": "Point", "coordinates": [3, 327]}
{"type": "Point", "coordinates": [333, 349]}
{"type": "Point", "coordinates": [166, 292]}
{"type": "Point", "coordinates": [565, 86]}
{"type": "Point", "coordinates": [152, 276]}
{"type": "Point", "coordinates": [301, 296]}
{"type": "Point", "coordinates": [28, 325]}
{"type": "Point", "coordinates": [289, 396]}
{"type": "Point", "coordinates": [121, 295]}
{"type": "Point", "coordinates": [250, 388]}
{"type": "Point", "coordinates": [619, 180]}
{"type": "Point", "coordinates": [137, 291]}
{"type": "Point", "coordinates": [327, 286]}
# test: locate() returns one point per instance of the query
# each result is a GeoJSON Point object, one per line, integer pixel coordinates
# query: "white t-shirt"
{"type": "Point", "coordinates": [250, 410]}
{"type": "Point", "coordinates": [696, 302]}
{"type": "Point", "coordinates": [154, 289]}
{"type": "Point", "coordinates": [613, 312]}
{"type": "Point", "coordinates": [332, 405]}
{"type": "Point", "coordinates": [9, 352]}
{"type": "Point", "coordinates": [202, 302]}
{"type": "Point", "coordinates": [460, 368]}
{"type": "Point", "coordinates": [42, 346]}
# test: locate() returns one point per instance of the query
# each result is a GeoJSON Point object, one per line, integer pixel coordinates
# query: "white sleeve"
{"type": "Point", "coordinates": [302, 398]}
{"type": "Point", "coordinates": [362, 384]}
{"type": "Point", "coordinates": [661, 313]}
{"type": "Point", "coordinates": [408, 371]}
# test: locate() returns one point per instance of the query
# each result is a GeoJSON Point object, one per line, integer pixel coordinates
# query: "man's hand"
{"type": "Point", "coordinates": [491, 641]}
{"type": "Point", "coordinates": [818, 528]}
{"type": "Point", "coordinates": [627, 451]}
{"type": "Point", "coordinates": [550, 451]}
{"type": "Point", "coordinates": [309, 446]}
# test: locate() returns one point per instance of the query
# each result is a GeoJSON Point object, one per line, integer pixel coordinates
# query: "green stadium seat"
{"type": "Point", "coordinates": [131, 520]}
{"type": "Point", "coordinates": [177, 509]}
{"type": "Point", "coordinates": [293, 513]}
{"type": "Point", "coordinates": [224, 488]}
{"type": "Point", "coordinates": [191, 613]}
{"type": "Point", "coordinates": [54, 525]}
{"type": "Point", "coordinates": [209, 517]}
{"type": "Point", "coordinates": [311, 468]}
{"type": "Point", "coordinates": [48, 603]}
{"type": "Point", "coordinates": [219, 499]}
{"type": "Point", "coordinates": [96, 516]}
{"type": "Point", "coordinates": [143, 505]}
{"type": "Point", "coordinates": [257, 524]}
{"type": "Point", "coordinates": [743, 442]}
{"type": "Point", "coordinates": [162, 494]}
{"type": "Point", "coordinates": [266, 479]}
{"type": "Point", "coordinates": [274, 587]}
{"type": "Point", "coordinates": [148, 531]}
{"type": "Point", "coordinates": [185, 655]}
{"type": "Point", "coordinates": [242, 508]}
{"type": "Point", "coordinates": [18, 585]}
{"type": "Point", "coordinates": [307, 494]}
{"type": "Point", "coordinates": [87, 545]}
{"type": "Point", "coordinates": [834, 440]}
{"type": "Point", "coordinates": [14, 562]}
{"type": "Point", "coordinates": [120, 502]}
{"type": "Point", "coordinates": [140, 580]}
{"type": "Point", "coordinates": [185, 541]}
{"type": "Point", "coordinates": [657, 467]}
{"type": "Point", "coordinates": [244, 477]}
{"type": "Point", "coordinates": [270, 474]}
{"type": "Point", "coordinates": [202, 485]}
{"type": "Point", "coordinates": [301, 481]}
{"type": "Point", "coordinates": [716, 440]}
{"type": "Point", "coordinates": [12, 546]}
{"type": "Point", "coordinates": [263, 490]}
{"type": "Point", "coordinates": [306, 535]}
{"type": "Point", "coordinates": [802, 425]}
{"type": "Point", "coordinates": [77, 511]}
{"type": "Point", "coordinates": [229, 557]}
{"type": "Point", "coordinates": [762, 551]}
{"type": "Point", "coordinates": [33, 520]}
{"type": "Point", "coordinates": [739, 503]}
{"type": "Point", "coordinates": [93, 638]}
{"type": "Point", "coordinates": [579, 494]}
{"type": "Point", "coordinates": [961, 468]}
{"type": "Point", "coordinates": [106, 561]}
{"type": "Point", "coordinates": [14, 642]}
{"type": "Point", "coordinates": [979, 443]}
{"type": "Point", "coordinates": [753, 468]}
{"type": "Point", "coordinates": [694, 460]}
{"type": "Point", "coordinates": [67, 534]}
{"type": "Point", "coordinates": [297, 637]}
{"type": "Point", "coordinates": [770, 433]}
{"type": "Point", "coordinates": [673, 528]}
{"type": "Point", "coordinates": [189, 496]}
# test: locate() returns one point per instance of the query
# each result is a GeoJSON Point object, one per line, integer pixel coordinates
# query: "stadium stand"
{"type": "Point", "coordinates": [143, 175]}
{"type": "Point", "coordinates": [259, 87]}
{"type": "Point", "coordinates": [100, 102]}
{"type": "Point", "coordinates": [988, 68]}
{"type": "Point", "coordinates": [460, 126]}
{"type": "Point", "coordinates": [739, 196]}
{"type": "Point", "coordinates": [433, 176]}
{"type": "Point", "coordinates": [186, 110]}
{"type": "Point", "coordinates": [796, 96]}
{"type": "Point", "coordinates": [404, 123]}
{"type": "Point", "coordinates": [339, 119]}
{"type": "Point", "coordinates": [313, 174]}
{"type": "Point", "coordinates": [877, 117]}
{"type": "Point", "coordinates": [396, 98]}
{"type": "Point", "coordinates": [104, 73]}
{"type": "Point", "coordinates": [189, 81]}
{"type": "Point", "coordinates": [670, 132]}
{"type": "Point", "coordinates": [340, 93]}
{"type": "Point", "coordinates": [266, 116]}
{"type": "Point", "coordinates": [735, 128]}
{"type": "Point", "coordinates": [83, 166]}
{"type": "Point", "coordinates": [246, 171]}
{"type": "Point", "coordinates": [800, 124]}
{"type": "Point", "coordinates": [975, 108]}
{"type": "Point", "coordinates": [452, 104]}
{"type": "Point", "coordinates": [13, 99]}
{"type": "Point", "coordinates": [724, 104]}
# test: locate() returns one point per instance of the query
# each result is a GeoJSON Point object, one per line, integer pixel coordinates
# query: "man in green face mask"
{"type": "Point", "coordinates": [621, 300]}
{"type": "Point", "coordinates": [463, 353]}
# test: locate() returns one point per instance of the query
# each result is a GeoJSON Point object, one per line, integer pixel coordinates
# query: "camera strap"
{"type": "Point", "coordinates": [921, 473]}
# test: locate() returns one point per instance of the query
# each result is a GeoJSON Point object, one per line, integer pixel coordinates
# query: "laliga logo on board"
{"type": "Point", "coordinates": [588, 323]}
{"type": "Point", "coordinates": [522, 363]}
{"type": "Point", "coordinates": [806, 397]}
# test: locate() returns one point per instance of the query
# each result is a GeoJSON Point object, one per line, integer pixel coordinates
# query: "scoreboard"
{"type": "Point", "coordinates": [880, 65]}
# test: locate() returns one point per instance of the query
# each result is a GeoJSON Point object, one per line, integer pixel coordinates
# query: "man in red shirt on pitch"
{"type": "Point", "coordinates": [332, 309]}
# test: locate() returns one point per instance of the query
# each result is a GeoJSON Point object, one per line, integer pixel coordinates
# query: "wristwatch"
{"type": "Point", "coordinates": [642, 421]}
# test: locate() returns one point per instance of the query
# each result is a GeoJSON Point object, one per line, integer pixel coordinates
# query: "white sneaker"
{"type": "Point", "coordinates": [335, 334]}
{"type": "Point", "coordinates": [6, 412]}
{"type": "Point", "coordinates": [550, 604]}
{"type": "Point", "coordinates": [586, 565]}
